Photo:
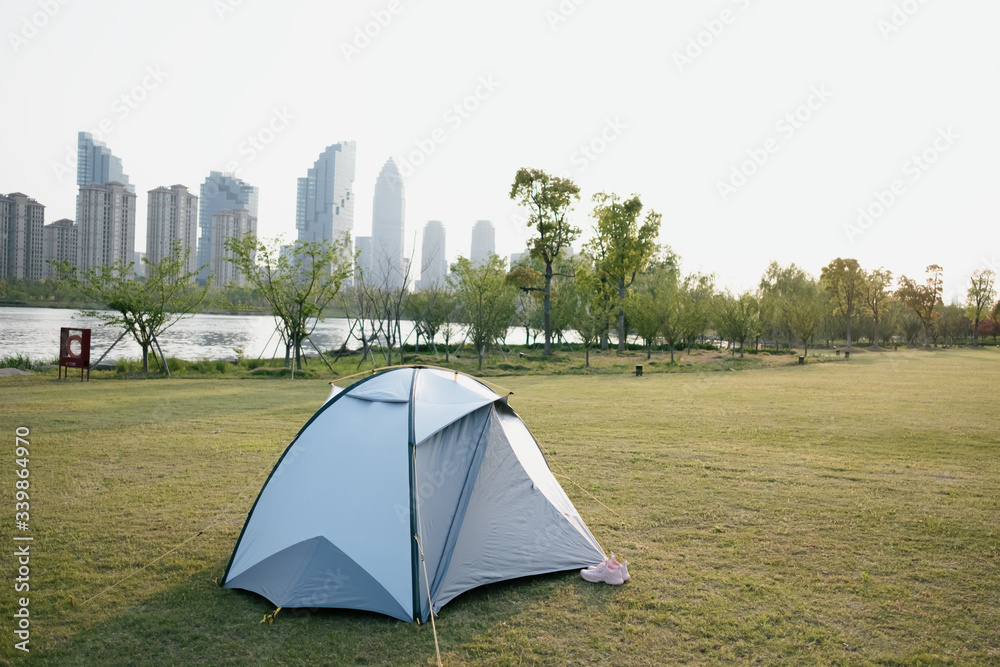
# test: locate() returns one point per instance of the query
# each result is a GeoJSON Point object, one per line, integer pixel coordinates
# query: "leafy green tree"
{"type": "Point", "coordinates": [486, 298]}
{"type": "Point", "coordinates": [591, 307]}
{"type": "Point", "coordinates": [656, 306]}
{"type": "Point", "coordinates": [738, 318]}
{"type": "Point", "coordinates": [875, 294]}
{"type": "Point", "coordinates": [297, 283]}
{"type": "Point", "coordinates": [806, 307]}
{"type": "Point", "coordinates": [923, 299]}
{"type": "Point", "coordinates": [621, 247]}
{"type": "Point", "coordinates": [981, 294]}
{"type": "Point", "coordinates": [550, 200]}
{"type": "Point", "coordinates": [526, 275]}
{"type": "Point", "coordinates": [430, 309]}
{"type": "Point", "coordinates": [699, 292]}
{"type": "Point", "coordinates": [144, 308]}
{"type": "Point", "coordinates": [844, 279]}
{"type": "Point", "coordinates": [778, 288]}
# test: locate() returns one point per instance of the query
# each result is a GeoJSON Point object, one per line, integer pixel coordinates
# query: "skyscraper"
{"type": "Point", "coordinates": [324, 206]}
{"type": "Point", "coordinates": [483, 241]}
{"type": "Point", "coordinates": [229, 224]}
{"type": "Point", "coordinates": [363, 265]}
{"type": "Point", "coordinates": [105, 215]}
{"type": "Point", "coordinates": [434, 262]}
{"type": "Point", "coordinates": [220, 192]}
{"type": "Point", "coordinates": [172, 217]}
{"type": "Point", "coordinates": [21, 221]}
{"type": "Point", "coordinates": [387, 227]}
{"type": "Point", "coordinates": [96, 164]}
{"type": "Point", "coordinates": [59, 243]}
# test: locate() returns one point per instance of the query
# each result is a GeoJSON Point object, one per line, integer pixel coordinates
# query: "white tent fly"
{"type": "Point", "coordinates": [407, 461]}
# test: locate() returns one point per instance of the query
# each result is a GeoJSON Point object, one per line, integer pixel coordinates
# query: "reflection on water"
{"type": "Point", "coordinates": [35, 332]}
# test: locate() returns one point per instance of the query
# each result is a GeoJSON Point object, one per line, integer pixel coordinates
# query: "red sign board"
{"type": "Point", "coordinates": [74, 351]}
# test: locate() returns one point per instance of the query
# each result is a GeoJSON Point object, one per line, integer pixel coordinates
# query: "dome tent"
{"type": "Point", "coordinates": [411, 459]}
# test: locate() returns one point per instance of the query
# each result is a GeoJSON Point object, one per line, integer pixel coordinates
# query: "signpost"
{"type": "Point", "coordinates": [74, 351]}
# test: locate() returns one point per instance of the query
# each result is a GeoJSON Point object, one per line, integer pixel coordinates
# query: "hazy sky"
{"type": "Point", "coordinates": [758, 128]}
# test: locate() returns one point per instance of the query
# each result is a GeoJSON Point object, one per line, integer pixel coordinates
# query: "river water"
{"type": "Point", "coordinates": [34, 332]}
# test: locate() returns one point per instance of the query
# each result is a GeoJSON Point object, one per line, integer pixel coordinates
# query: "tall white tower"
{"type": "Point", "coordinates": [387, 227]}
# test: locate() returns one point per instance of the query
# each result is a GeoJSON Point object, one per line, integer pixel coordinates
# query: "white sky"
{"type": "Point", "coordinates": [561, 74]}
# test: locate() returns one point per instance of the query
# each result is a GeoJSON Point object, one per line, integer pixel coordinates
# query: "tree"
{"type": "Point", "coordinates": [526, 275]}
{"type": "Point", "coordinates": [486, 298]}
{"type": "Point", "coordinates": [807, 306]}
{"type": "Point", "coordinates": [875, 293]}
{"type": "Point", "coordinates": [699, 291]}
{"type": "Point", "coordinates": [656, 306]}
{"type": "Point", "coordinates": [844, 279]}
{"type": "Point", "coordinates": [146, 307]}
{"type": "Point", "coordinates": [739, 318]}
{"type": "Point", "coordinates": [550, 199]}
{"type": "Point", "coordinates": [297, 281]}
{"type": "Point", "coordinates": [589, 307]}
{"type": "Point", "coordinates": [923, 299]}
{"type": "Point", "coordinates": [981, 295]}
{"type": "Point", "coordinates": [621, 248]}
{"type": "Point", "coordinates": [430, 309]}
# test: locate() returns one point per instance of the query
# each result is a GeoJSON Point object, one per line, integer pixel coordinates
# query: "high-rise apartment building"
{"type": "Point", "coordinates": [363, 265]}
{"type": "Point", "coordinates": [229, 224]}
{"type": "Point", "coordinates": [434, 262]}
{"type": "Point", "coordinates": [388, 209]}
{"type": "Point", "coordinates": [59, 243]}
{"type": "Point", "coordinates": [324, 207]}
{"type": "Point", "coordinates": [96, 164]}
{"type": "Point", "coordinates": [220, 192]}
{"type": "Point", "coordinates": [172, 218]}
{"type": "Point", "coordinates": [21, 222]}
{"type": "Point", "coordinates": [105, 217]}
{"type": "Point", "coordinates": [484, 241]}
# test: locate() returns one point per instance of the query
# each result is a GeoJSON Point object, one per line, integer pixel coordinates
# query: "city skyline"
{"type": "Point", "coordinates": [748, 126]}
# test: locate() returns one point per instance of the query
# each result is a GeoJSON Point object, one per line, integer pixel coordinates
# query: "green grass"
{"type": "Point", "coordinates": [837, 513]}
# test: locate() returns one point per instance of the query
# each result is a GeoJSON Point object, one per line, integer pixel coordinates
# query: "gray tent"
{"type": "Point", "coordinates": [408, 459]}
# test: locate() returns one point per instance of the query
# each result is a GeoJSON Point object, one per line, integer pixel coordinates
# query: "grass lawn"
{"type": "Point", "coordinates": [837, 513]}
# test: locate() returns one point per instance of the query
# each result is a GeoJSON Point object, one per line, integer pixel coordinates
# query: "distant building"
{"type": "Point", "coordinates": [105, 218]}
{"type": "Point", "coordinates": [516, 257]}
{"type": "Point", "coordinates": [59, 243]}
{"type": "Point", "coordinates": [95, 163]}
{"type": "Point", "coordinates": [388, 208]}
{"type": "Point", "coordinates": [21, 222]}
{"type": "Point", "coordinates": [324, 206]}
{"type": "Point", "coordinates": [220, 192]}
{"type": "Point", "coordinates": [172, 218]}
{"type": "Point", "coordinates": [363, 267]}
{"type": "Point", "coordinates": [138, 266]}
{"type": "Point", "coordinates": [484, 241]}
{"type": "Point", "coordinates": [229, 224]}
{"type": "Point", "coordinates": [434, 262]}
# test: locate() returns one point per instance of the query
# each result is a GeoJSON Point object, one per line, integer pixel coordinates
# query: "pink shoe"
{"type": "Point", "coordinates": [603, 572]}
{"type": "Point", "coordinates": [622, 567]}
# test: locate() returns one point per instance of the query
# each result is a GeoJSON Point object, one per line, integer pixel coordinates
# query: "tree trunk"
{"type": "Point", "coordinates": [847, 324]}
{"type": "Point", "coordinates": [586, 352]}
{"type": "Point", "coordinates": [546, 308]}
{"type": "Point", "coordinates": [671, 353]}
{"type": "Point", "coordinates": [482, 350]}
{"type": "Point", "coordinates": [875, 339]}
{"type": "Point", "coordinates": [145, 358]}
{"type": "Point", "coordinates": [975, 333]}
